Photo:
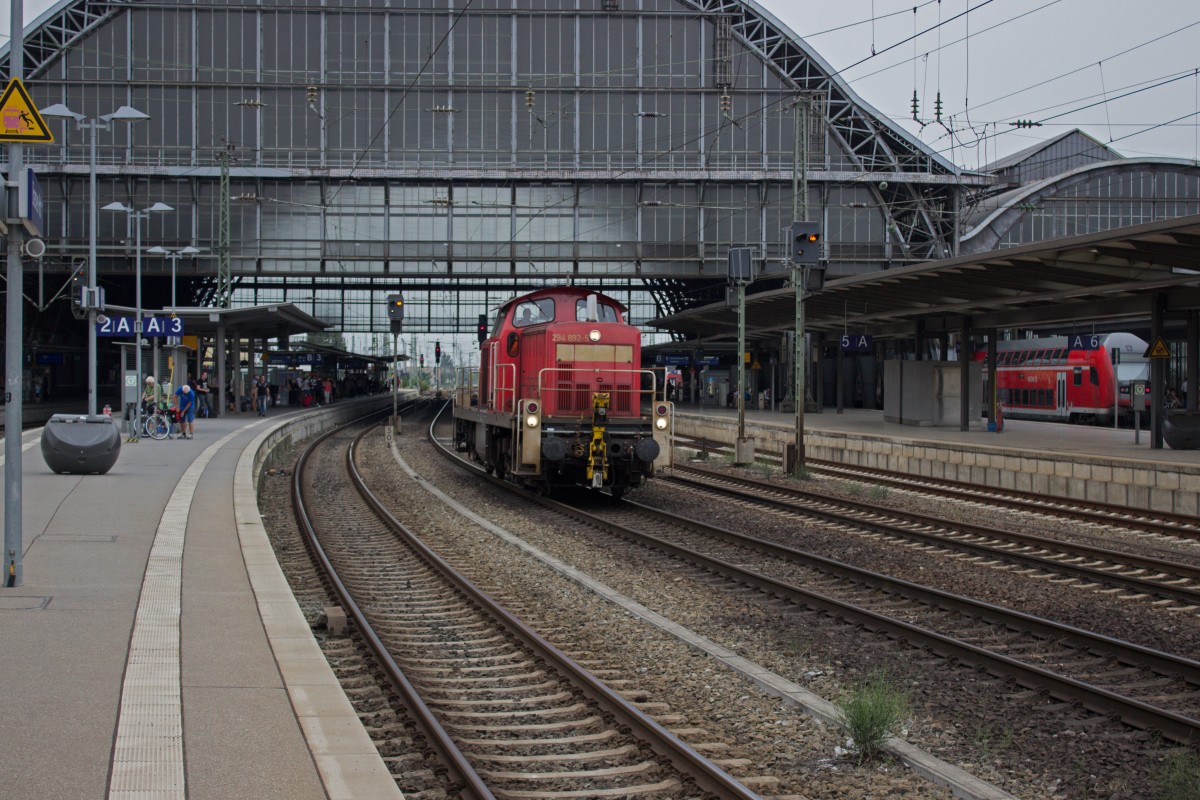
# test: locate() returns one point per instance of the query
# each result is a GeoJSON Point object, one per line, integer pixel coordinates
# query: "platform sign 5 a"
{"type": "Point", "coordinates": [19, 117]}
{"type": "Point", "coordinates": [857, 343]}
{"type": "Point", "coordinates": [152, 327]}
{"type": "Point", "coordinates": [1085, 341]}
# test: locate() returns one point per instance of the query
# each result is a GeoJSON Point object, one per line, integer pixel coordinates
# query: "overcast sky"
{"type": "Point", "coordinates": [1059, 62]}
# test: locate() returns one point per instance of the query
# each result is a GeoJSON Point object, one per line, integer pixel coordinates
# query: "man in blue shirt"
{"type": "Point", "coordinates": [185, 401]}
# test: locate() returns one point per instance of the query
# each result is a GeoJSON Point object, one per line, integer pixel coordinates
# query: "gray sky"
{"type": "Point", "coordinates": [1024, 60]}
{"type": "Point", "coordinates": [1038, 60]}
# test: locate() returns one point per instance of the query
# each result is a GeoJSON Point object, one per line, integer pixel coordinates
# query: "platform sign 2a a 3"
{"type": "Point", "coordinates": [152, 327]}
{"type": "Point", "coordinates": [857, 343]}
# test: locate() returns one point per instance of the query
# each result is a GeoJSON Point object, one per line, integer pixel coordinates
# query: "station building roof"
{"type": "Point", "coordinates": [1107, 276]}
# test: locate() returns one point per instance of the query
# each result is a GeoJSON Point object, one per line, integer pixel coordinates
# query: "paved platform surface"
{"type": "Point", "coordinates": [146, 652]}
{"type": "Point", "coordinates": [1022, 435]}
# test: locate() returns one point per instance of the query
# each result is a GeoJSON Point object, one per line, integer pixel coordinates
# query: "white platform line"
{"type": "Point", "coordinates": [148, 751]}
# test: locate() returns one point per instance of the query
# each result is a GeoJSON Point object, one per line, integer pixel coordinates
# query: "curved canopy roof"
{"type": "Point", "coordinates": [1113, 275]}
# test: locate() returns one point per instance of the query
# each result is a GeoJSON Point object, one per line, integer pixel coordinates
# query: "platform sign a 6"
{"type": "Point", "coordinates": [1085, 341]}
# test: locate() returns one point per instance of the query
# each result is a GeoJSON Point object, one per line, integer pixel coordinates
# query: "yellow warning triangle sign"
{"type": "Point", "coordinates": [1157, 350]}
{"type": "Point", "coordinates": [19, 118]}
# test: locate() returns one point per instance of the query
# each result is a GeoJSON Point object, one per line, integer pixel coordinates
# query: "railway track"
{"type": "Point", "coordinates": [1173, 585]}
{"type": "Point", "coordinates": [1154, 523]}
{"type": "Point", "coordinates": [1141, 687]}
{"type": "Point", "coordinates": [510, 716]}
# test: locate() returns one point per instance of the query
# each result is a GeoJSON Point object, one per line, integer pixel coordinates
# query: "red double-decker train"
{"type": "Point", "coordinates": [1068, 379]}
{"type": "Point", "coordinates": [560, 398]}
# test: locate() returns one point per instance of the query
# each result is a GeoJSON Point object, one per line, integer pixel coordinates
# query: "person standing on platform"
{"type": "Point", "coordinates": [328, 388]}
{"type": "Point", "coordinates": [264, 395]}
{"type": "Point", "coordinates": [150, 396]}
{"type": "Point", "coordinates": [185, 401]}
{"type": "Point", "coordinates": [203, 400]}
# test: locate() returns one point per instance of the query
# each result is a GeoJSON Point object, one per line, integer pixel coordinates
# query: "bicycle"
{"type": "Point", "coordinates": [157, 425]}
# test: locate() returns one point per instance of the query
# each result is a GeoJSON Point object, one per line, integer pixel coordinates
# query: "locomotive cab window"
{"type": "Point", "coordinates": [604, 312]}
{"type": "Point", "coordinates": [533, 312]}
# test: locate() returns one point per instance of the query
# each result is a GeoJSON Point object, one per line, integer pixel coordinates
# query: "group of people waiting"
{"type": "Point", "coordinates": [303, 391]}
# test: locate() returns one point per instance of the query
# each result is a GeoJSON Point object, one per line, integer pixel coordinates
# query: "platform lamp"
{"type": "Point", "coordinates": [137, 217]}
{"type": "Point", "coordinates": [91, 301]}
{"type": "Point", "coordinates": [173, 256]}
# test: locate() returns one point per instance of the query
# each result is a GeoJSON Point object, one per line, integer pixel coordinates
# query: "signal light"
{"type": "Point", "coordinates": [422, 361]}
{"type": "Point", "coordinates": [481, 330]}
{"type": "Point", "coordinates": [806, 242]}
{"type": "Point", "coordinates": [395, 306]}
{"type": "Point", "coordinates": [437, 352]}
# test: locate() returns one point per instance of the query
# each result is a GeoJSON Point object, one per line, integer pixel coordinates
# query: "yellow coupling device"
{"type": "Point", "coordinates": [598, 452]}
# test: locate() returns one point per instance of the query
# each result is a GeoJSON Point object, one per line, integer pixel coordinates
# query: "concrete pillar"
{"type": "Point", "coordinates": [964, 375]}
{"type": "Point", "coordinates": [1158, 372]}
{"type": "Point", "coordinates": [1192, 364]}
{"type": "Point", "coordinates": [218, 377]}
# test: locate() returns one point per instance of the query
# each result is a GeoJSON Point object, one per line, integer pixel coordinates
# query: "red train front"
{"type": "Point", "coordinates": [560, 399]}
{"type": "Point", "coordinates": [1055, 378]}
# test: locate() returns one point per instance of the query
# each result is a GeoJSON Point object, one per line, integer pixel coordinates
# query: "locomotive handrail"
{"type": "Point", "coordinates": [494, 392]}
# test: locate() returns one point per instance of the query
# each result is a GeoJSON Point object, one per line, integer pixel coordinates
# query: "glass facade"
{"type": "Point", "coordinates": [463, 151]}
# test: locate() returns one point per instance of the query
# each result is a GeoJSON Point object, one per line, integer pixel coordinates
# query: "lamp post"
{"type": "Point", "coordinates": [91, 301]}
{"type": "Point", "coordinates": [173, 256]}
{"type": "Point", "coordinates": [137, 217]}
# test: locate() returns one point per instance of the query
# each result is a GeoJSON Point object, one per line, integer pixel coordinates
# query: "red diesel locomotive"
{"type": "Point", "coordinates": [560, 398]}
{"type": "Point", "coordinates": [1048, 379]}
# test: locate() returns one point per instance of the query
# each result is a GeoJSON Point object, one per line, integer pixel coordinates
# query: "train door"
{"type": "Point", "coordinates": [1060, 393]}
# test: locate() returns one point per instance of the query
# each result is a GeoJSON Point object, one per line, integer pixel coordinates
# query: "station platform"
{"type": "Point", "coordinates": [154, 648]}
{"type": "Point", "coordinates": [1075, 461]}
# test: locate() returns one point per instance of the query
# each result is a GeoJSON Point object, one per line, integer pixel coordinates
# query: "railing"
{"type": "Point", "coordinates": [501, 398]}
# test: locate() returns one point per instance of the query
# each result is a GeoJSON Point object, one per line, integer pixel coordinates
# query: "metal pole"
{"type": "Point", "coordinates": [174, 257]}
{"type": "Point", "coordinates": [799, 280]}
{"type": "Point", "coordinates": [14, 331]}
{"type": "Point", "coordinates": [137, 324]}
{"type": "Point", "coordinates": [395, 377]}
{"type": "Point", "coordinates": [798, 392]}
{"type": "Point", "coordinates": [93, 224]}
{"type": "Point", "coordinates": [741, 357]}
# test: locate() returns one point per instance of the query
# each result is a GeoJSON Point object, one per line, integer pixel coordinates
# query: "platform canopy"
{"type": "Point", "coordinates": [1108, 276]}
{"type": "Point", "coordinates": [260, 322]}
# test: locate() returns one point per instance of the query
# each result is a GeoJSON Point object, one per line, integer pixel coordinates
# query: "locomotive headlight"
{"type": "Point", "coordinates": [594, 335]}
{"type": "Point", "coordinates": [661, 423]}
{"type": "Point", "coordinates": [531, 421]}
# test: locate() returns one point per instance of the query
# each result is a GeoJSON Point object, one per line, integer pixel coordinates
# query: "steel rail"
{"type": "Point", "coordinates": [459, 767]}
{"type": "Point", "coordinates": [1182, 526]}
{"type": "Point", "coordinates": [1188, 596]}
{"type": "Point", "coordinates": [1135, 713]}
{"type": "Point", "coordinates": [707, 775]}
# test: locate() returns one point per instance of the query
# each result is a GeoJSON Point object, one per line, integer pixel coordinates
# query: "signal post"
{"type": "Point", "coordinates": [396, 321]}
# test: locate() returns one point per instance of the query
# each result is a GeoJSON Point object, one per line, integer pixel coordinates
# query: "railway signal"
{"type": "Point", "coordinates": [481, 330]}
{"type": "Point", "coordinates": [806, 242]}
{"type": "Point", "coordinates": [396, 312]}
{"type": "Point", "coordinates": [437, 352]}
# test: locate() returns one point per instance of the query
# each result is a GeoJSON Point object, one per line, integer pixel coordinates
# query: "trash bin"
{"type": "Point", "coordinates": [81, 443]}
